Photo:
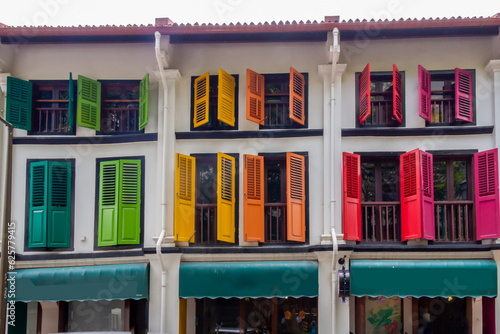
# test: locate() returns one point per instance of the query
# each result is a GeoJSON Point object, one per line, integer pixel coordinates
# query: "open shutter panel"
{"type": "Point", "coordinates": [108, 203]}
{"type": "Point", "coordinates": [89, 103]}
{"type": "Point", "coordinates": [463, 95]}
{"type": "Point", "coordinates": [364, 95]}
{"type": "Point", "coordinates": [427, 193]}
{"type": "Point", "coordinates": [225, 197]}
{"type": "Point", "coordinates": [129, 216]}
{"type": "Point", "coordinates": [411, 204]}
{"type": "Point", "coordinates": [184, 214]}
{"type": "Point", "coordinates": [226, 98]}
{"type": "Point", "coordinates": [255, 96]}
{"type": "Point", "coordinates": [71, 103]}
{"type": "Point", "coordinates": [253, 198]}
{"type": "Point", "coordinates": [486, 194]}
{"type": "Point", "coordinates": [59, 205]}
{"type": "Point", "coordinates": [297, 97]}
{"type": "Point", "coordinates": [19, 95]}
{"type": "Point", "coordinates": [424, 93]}
{"type": "Point", "coordinates": [397, 103]}
{"type": "Point", "coordinates": [295, 197]}
{"type": "Point", "coordinates": [143, 102]}
{"type": "Point", "coordinates": [352, 196]}
{"type": "Point", "coordinates": [201, 96]}
{"type": "Point", "coordinates": [38, 204]}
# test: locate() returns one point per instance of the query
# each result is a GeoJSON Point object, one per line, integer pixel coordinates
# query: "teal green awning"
{"type": "Point", "coordinates": [248, 279]}
{"type": "Point", "coordinates": [109, 282]}
{"type": "Point", "coordinates": [429, 278]}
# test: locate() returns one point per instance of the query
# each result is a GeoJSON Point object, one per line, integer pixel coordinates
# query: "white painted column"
{"type": "Point", "coordinates": [172, 261]}
{"type": "Point", "coordinates": [325, 291]}
{"type": "Point", "coordinates": [408, 315]}
{"type": "Point", "coordinates": [477, 315]}
{"type": "Point", "coordinates": [493, 68]}
{"type": "Point", "coordinates": [343, 308]}
{"type": "Point", "coordinates": [191, 316]}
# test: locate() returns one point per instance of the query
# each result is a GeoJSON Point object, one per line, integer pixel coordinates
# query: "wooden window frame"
{"type": "Point", "coordinates": [214, 123]}
{"type": "Point", "coordinates": [381, 76]}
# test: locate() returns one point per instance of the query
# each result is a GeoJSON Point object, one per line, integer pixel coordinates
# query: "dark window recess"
{"type": "Point", "coordinates": [275, 199]}
{"type": "Point", "coordinates": [453, 200]}
{"type": "Point", "coordinates": [50, 108]}
{"type": "Point", "coordinates": [381, 101]}
{"type": "Point", "coordinates": [380, 201]}
{"type": "Point", "coordinates": [277, 103]}
{"type": "Point", "coordinates": [119, 107]}
{"type": "Point", "coordinates": [206, 200]}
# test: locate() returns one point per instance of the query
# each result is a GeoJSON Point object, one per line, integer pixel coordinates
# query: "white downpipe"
{"type": "Point", "coordinates": [334, 278]}
{"type": "Point", "coordinates": [162, 132]}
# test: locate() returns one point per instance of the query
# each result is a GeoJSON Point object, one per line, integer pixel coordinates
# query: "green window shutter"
{"type": "Point", "coordinates": [19, 94]}
{"type": "Point", "coordinates": [108, 203]}
{"type": "Point", "coordinates": [143, 102]}
{"type": "Point", "coordinates": [129, 217]}
{"type": "Point", "coordinates": [89, 103]}
{"type": "Point", "coordinates": [71, 103]}
{"type": "Point", "coordinates": [59, 204]}
{"type": "Point", "coordinates": [38, 204]}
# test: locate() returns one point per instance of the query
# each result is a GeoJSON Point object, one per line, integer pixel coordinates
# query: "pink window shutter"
{"type": "Point", "coordinates": [463, 95]}
{"type": "Point", "coordinates": [486, 195]}
{"type": "Point", "coordinates": [424, 93]}
{"type": "Point", "coordinates": [411, 204]}
{"type": "Point", "coordinates": [352, 196]}
{"type": "Point", "coordinates": [397, 102]}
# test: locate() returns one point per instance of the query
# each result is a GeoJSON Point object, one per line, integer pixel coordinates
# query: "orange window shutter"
{"type": "Point", "coordinates": [297, 96]}
{"type": "Point", "coordinates": [253, 198]}
{"type": "Point", "coordinates": [226, 98]}
{"type": "Point", "coordinates": [184, 206]}
{"type": "Point", "coordinates": [295, 197]}
{"type": "Point", "coordinates": [226, 202]}
{"type": "Point", "coordinates": [201, 95]}
{"type": "Point", "coordinates": [255, 96]}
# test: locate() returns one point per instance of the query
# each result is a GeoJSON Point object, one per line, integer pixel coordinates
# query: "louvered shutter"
{"type": "Point", "coordinates": [255, 96]}
{"type": "Point", "coordinates": [364, 95]}
{"type": "Point", "coordinates": [59, 204]}
{"type": "Point", "coordinates": [201, 99]}
{"type": "Point", "coordinates": [226, 197]}
{"type": "Point", "coordinates": [253, 198]}
{"type": "Point", "coordinates": [71, 103]}
{"type": "Point", "coordinates": [295, 197]}
{"type": "Point", "coordinates": [463, 95]}
{"type": "Point", "coordinates": [89, 103]}
{"type": "Point", "coordinates": [129, 215]}
{"type": "Point", "coordinates": [19, 95]}
{"type": "Point", "coordinates": [411, 209]}
{"type": "Point", "coordinates": [424, 93]}
{"type": "Point", "coordinates": [184, 214]}
{"type": "Point", "coordinates": [397, 102]}
{"type": "Point", "coordinates": [297, 97]}
{"type": "Point", "coordinates": [352, 196]}
{"type": "Point", "coordinates": [38, 204]}
{"type": "Point", "coordinates": [486, 194]}
{"type": "Point", "coordinates": [144, 102]}
{"type": "Point", "coordinates": [107, 232]}
{"type": "Point", "coordinates": [427, 193]}
{"type": "Point", "coordinates": [226, 98]}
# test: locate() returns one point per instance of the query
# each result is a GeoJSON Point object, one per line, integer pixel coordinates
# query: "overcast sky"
{"type": "Point", "coordinates": [102, 12]}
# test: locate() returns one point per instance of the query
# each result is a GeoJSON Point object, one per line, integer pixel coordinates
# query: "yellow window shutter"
{"type": "Point", "coordinates": [184, 214]}
{"type": "Point", "coordinates": [225, 197]}
{"type": "Point", "coordinates": [201, 95]}
{"type": "Point", "coordinates": [295, 197]}
{"type": "Point", "coordinates": [226, 98]}
{"type": "Point", "coordinates": [255, 96]}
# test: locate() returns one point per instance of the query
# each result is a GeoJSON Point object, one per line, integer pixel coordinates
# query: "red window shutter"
{"type": "Point", "coordinates": [427, 186]}
{"type": "Point", "coordinates": [411, 209]}
{"type": "Point", "coordinates": [486, 194]}
{"type": "Point", "coordinates": [352, 196]}
{"type": "Point", "coordinates": [397, 102]}
{"type": "Point", "coordinates": [295, 197]}
{"type": "Point", "coordinates": [424, 93]}
{"type": "Point", "coordinates": [255, 96]}
{"type": "Point", "coordinates": [463, 95]}
{"type": "Point", "coordinates": [365, 109]}
{"type": "Point", "coordinates": [253, 198]}
{"type": "Point", "coordinates": [297, 97]}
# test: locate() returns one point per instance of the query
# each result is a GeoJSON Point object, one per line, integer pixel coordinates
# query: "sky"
{"type": "Point", "coordinates": [119, 12]}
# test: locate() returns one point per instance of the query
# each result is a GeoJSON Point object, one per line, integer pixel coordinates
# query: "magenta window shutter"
{"type": "Point", "coordinates": [427, 194]}
{"type": "Point", "coordinates": [411, 203]}
{"type": "Point", "coordinates": [486, 194]}
{"type": "Point", "coordinates": [365, 107]}
{"type": "Point", "coordinates": [424, 93]}
{"type": "Point", "coordinates": [397, 102]}
{"type": "Point", "coordinates": [463, 95]}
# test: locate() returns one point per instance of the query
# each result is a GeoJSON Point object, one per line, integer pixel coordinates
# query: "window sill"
{"type": "Point", "coordinates": [430, 131]}
{"type": "Point", "coordinates": [262, 134]}
{"type": "Point", "coordinates": [74, 140]}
